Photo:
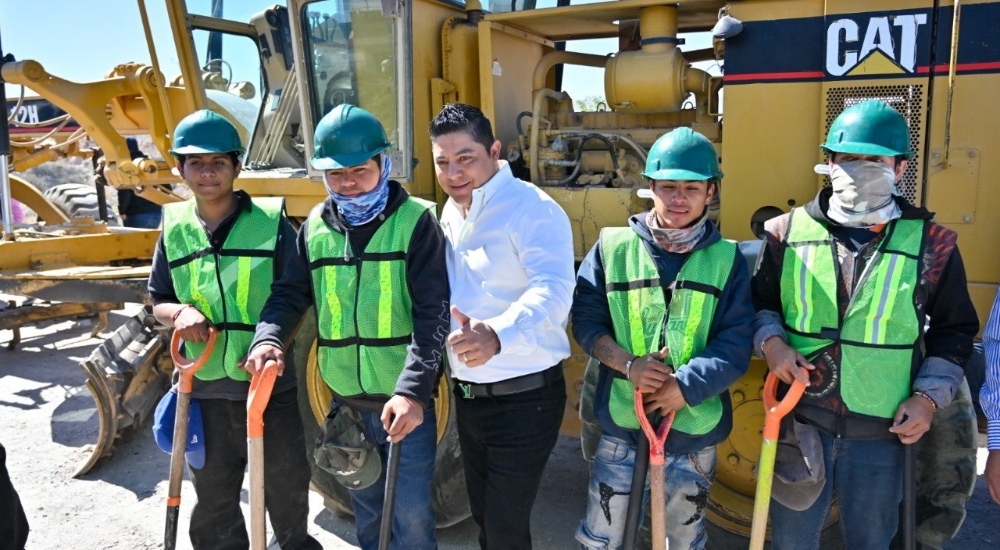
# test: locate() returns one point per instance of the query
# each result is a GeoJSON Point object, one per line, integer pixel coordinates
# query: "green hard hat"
{"type": "Point", "coordinates": [871, 127]}
{"type": "Point", "coordinates": [204, 132]}
{"type": "Point", "coordinates": [682, 154]}
{"type": "Point", "coordinates": [347, 136]}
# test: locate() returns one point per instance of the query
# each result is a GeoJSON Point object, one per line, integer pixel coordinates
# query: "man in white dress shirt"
{"type": "Point", "coordinates": [510, 266]}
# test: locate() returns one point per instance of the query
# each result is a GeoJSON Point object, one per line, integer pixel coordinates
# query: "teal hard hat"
{"type": "Point", "coordinates": [682, 155]}
{"type": "Point", "coordinates": [871, 127]}
{"type": "Point", "coordinates": [347, 136]}
{"type": "Point", "coordinates": [205, 132]}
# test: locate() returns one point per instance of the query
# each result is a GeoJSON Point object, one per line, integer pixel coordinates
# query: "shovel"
{"type": "Point", "coordinates": [260, 393]}
{"type": "Point", "coordinates": [186, 369]}
{"type": "Point", "coordinates": [657, 439]}
{"type": "Point", "coordinates": [774, 411]}
{"type": "Point", "coordinates": [389, 501]}
{"type": "Point", "coordinates": [635, 493]}
{"type": "Point", "coordinates": [909, 496]}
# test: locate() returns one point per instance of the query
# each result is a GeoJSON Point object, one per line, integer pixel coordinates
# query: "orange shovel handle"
{"type": "Point", "coordinates": [776, 410]}
{"type": "Point", "coordinates": [187, 367]}
{"type": "Point", "coordinates": [657, 437]}
{"type": "Point", "coordinates": [260, 393]}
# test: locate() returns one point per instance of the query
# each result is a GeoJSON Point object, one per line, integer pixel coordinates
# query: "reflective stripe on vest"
{"type": "Point", "coordinates": [230, 287]}
{"type": "Point", "coordinates": [879, 334]}
{"type": "Point", "coordinates": [364, 313]}
{"type": "Point", "coordinates": [638, 311]}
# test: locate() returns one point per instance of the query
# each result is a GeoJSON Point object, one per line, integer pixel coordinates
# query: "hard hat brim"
{"type": "Point", "coordinates": [197, 150]}
{"type": "Point", "coordinates": [676, 174]}
{"type": "Point", "coordinates": [856, 148]}
{"type": "Point", "coordinates": [343, 161]}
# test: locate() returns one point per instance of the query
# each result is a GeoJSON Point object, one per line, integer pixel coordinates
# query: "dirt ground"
{"type": "Point", "coordinates": [48, 423]}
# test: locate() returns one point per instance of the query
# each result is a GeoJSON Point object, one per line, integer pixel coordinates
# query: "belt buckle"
{"type": "Point", "coordinates": [466, 390]}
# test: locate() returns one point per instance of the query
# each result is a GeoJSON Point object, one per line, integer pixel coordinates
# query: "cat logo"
{"type": "Point", "coordinates": [888, 46]}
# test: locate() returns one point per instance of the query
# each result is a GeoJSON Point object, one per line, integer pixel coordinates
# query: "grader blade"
{"type": "Point", "coordinates": [125, 379]}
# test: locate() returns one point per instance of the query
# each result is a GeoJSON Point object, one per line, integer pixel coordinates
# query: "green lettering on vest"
{"type": "Point", "coordinates": [363, 306]}
{"type": "Point", "coordinates": [879, 334]}
{"type": "Point", "coordinates": [219, 285]}
{"type": "Point", "coordinates": [639, 313]}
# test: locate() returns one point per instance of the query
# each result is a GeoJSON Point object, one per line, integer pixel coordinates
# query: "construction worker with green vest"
{"type": "Point", "coordinates": [869, 295]}
{"type": "Point", "coordinates": [214, 262]}
{"type": "Point", "coordinates": [663, 305]}
{"type": "Point", "coordinates": [371, 261]}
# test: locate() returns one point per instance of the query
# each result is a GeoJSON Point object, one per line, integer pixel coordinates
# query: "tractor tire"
{"type": "Point", "coordinates": [946, 475]}
{"type": "Point", "coordinates": [78, 200]}
{"type": "Point", "coordinates": [449, 496]}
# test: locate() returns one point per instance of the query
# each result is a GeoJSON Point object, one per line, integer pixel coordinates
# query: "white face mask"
{"type": "Point", "coordinates": [862, 193]}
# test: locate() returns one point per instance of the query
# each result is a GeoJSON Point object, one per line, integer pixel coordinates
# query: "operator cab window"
{"type": "Point", "coordinates": [353, 56]}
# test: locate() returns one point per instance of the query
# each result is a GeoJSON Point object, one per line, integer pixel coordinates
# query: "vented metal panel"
{"type": "Point", "coordinates": [909, 100]}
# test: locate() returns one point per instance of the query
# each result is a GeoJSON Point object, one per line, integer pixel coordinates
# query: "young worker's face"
{"type": "Point", "coordinates": [463, 164]}
{"type": "Point", "coordinates": [353, 180]}
{"type": "Point", "coordinates": [679, 204]}
{"type": "Point", "coordinates": [898, 167]}
{"type": "Point", "coordinates": [210, 176]}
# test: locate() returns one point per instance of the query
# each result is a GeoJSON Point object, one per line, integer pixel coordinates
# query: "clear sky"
{"type": "Point", "coordinates": [82, 40]}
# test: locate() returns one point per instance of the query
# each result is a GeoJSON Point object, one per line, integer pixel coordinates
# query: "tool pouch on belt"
{"type": "Point", "coordinates": [799, 468]}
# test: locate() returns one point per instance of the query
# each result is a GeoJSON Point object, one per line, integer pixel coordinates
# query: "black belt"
{"type": "Point", "coordinates": [849, 427]}
{"type": "Point", "coordinates": [528, 382]}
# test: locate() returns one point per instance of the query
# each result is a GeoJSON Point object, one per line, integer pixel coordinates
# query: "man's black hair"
{"type": "Point", "coordinates": [459, 117]}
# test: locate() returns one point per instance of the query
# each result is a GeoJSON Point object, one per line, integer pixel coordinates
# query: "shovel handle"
{"type": "Point", "coordinates": [909, 496]}
{"type": "Point", "coordinates": [187, 367]}
{"type": "Point", "coordinates": [657, 437]}
{"type": "Point", "coordinates": [176, 468]}
{"type": "Point", "coordinates": [261, 386]}
{"type": "Point", "coordinates": [389, 497]}
{"type": "Point", "coordinates": [634, 509]}
{"type": "Point", "coordinates": [657, 455]}
{"type": "Point", "coordinates": [260, 393]}
{"type": "Point", "coordinates": [775, 410]}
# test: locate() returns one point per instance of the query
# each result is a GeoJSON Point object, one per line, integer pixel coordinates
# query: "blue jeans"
{"type": "Point", "coordinates": [143, 220]}
{"type": "Point", "coordinates": [413, 519]}
{"type": "Point", "coordinates": [867, 477]}
{"type": "Point", "coordinates": [687, 476]}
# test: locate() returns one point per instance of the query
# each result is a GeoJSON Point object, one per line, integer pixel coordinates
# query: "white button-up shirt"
{"type": "Point", "coordinates": [510, 264]}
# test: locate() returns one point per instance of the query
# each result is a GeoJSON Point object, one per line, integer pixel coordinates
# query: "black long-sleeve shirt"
{"type": "Point", "coordinates": [427, 280]}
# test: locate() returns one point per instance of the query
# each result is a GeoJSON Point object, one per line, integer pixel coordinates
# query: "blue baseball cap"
{"type": "Point", "coordinates": [163, 429]}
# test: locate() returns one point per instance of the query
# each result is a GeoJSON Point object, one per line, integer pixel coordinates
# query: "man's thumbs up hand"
{"type": "Point", "coordinates": [474, 342]}
{"type": "Point", "coordinates": [459, 317]}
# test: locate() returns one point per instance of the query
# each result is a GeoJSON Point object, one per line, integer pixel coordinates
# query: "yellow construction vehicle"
{"type": "Point", "coordinates": [788, 67]}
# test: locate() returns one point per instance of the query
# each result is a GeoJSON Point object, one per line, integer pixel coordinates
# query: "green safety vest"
{"type": "Point", "coordinates": [879, 334]}
{"type": "Point", "coordinates": [363, 304]}
{"type": "Point", "coordinates": [639, 311]}
{"type": "Point", "coordinates": [228, 287]}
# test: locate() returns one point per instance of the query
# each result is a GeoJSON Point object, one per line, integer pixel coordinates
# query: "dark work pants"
{"type": "Point", "coordinates": [13, 523]}
{"type": "Point", "coordinates": [217, 521]}
{"type": "Point", "coordinates": [506, 442]}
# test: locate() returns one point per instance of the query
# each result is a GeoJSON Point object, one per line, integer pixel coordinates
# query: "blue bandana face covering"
{"type": "Point", "coordinates": [361, 209]}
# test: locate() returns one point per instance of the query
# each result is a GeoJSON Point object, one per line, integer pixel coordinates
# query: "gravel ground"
{"type": "Point", "coordinates": [47, 423]}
